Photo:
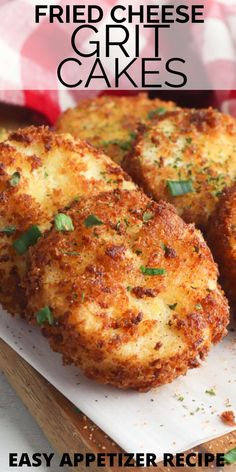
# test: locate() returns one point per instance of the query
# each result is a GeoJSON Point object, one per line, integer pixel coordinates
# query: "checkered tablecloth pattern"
{"type": "Point", "coordinates": [216, 48]}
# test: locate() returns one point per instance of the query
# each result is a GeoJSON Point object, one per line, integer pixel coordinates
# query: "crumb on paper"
{"type": "Point", "coordinates": [211, 391]}
{"type": "Point", "coordinates": [228, 417]}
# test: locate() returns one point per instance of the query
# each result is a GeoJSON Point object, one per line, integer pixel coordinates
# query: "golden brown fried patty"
{"type": "Point", "coordinates": [110, 122]}
{"type": "Point", "coordinates": [222, 239]}
{"type": "Point", "coordinates": [191, 151]}
{"type": "Point", "coordinates": [131, 292]}
{"type": "Point", "coordinates": [41, 172]}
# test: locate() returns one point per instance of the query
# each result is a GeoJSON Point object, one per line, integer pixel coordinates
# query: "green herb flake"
{"type": "Point", "coordinates": [27, 239]}
{"type": "Point", "coordinates": [189, 140]}
{"type": "Point", "coordinates": [157, 112]}
{"type": "Point", "coordinates": [63, 222]}
{"type": "Point", "coordinates": [211, 392]}
{"type": "Point", "coordinates": [92, 220]}
{"type": "Point", "coordinates": [230, 456]}
{"type": "Point", "coordinates": [44, 316]}
{"type": "Point", "coordinates": [15, 179]}
{"type": "Point", "coordinates": [147, 216]}
{"type": "Point", "coordinates": [129, 288]}
{"type": "Point", "coordinates": [82, 297]}
{"type": "Point", "coordinates": [8, 230]}
{"type": "Point", "coordinates": [179, 187]}
{"type": "Point", "coordinates": [152, 271]}
{"type": "Point", "coordinates": [173, 307]}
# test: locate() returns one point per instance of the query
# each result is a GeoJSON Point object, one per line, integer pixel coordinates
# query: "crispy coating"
{"type": "Point", "coordinates": [119, 323]}
{"type": "Point", "coordinates": [52, 171]}
{"type": "Point", "coordinates": [194, 145]}
{"type": "Point", "coordinates": [222, 240]}
{"type": "Point", "coordinates": [110, 122]}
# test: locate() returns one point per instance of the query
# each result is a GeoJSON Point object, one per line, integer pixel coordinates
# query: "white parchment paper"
{"type": "Point", "coordinates": [172, 418]}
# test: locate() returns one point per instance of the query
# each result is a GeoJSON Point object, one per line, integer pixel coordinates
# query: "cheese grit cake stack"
{"type": "Point", "coordinates": [121, 286]}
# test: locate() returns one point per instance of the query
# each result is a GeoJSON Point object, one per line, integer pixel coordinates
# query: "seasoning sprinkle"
{"type": "Point", "coordinates": [179, 187]}
{"type": "Point", "coordinates": [173, 307]}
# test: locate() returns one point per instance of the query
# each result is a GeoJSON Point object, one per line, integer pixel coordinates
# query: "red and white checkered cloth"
{"type": "Point", "coordinates": [215, 48]}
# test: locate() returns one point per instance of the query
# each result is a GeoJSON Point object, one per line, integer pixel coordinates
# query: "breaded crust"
{"type": "Point", "coordinates": [50, 170]}
{"type": "Point", "coordinates": [110, 122]}
{"type": "Point", "coordinates": [222, 240]}
{"type": "Point", "coordinates": [194, 145]}
{"type": "Point", "coordinates": [134, 298]}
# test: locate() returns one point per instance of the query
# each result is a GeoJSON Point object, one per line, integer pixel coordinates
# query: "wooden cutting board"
{"type": "Point", "coordinates": [67, 429]}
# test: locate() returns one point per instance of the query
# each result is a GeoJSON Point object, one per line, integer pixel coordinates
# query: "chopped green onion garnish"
{"type": "Point", "coordinates": [44, 315]}
{"type": "Point", "coordinates": [230, 456]}
{"type": "Point", "coordinates": [147, 216]}
{"type": "Point", "coordinates": [63, 222]}
{"type": "Point", "coordinates": [152, 271]}
{"type": "Point", "coordinates": [8, 230]}
{"type": "Point", "coordinates": [123, 145]}
{"type": "Point", "coordinates": [198, 306]}
{"type": "Point", "coordinates": [157, 112]}
{"type": "Point", "coordinates": [179, 187]}
{"type": "Point", "coordinates": [91, 221]}
{"type": "Point", "coordinates": [27, 239]}
{"type": "Point", "coordinates": [15, 179]}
